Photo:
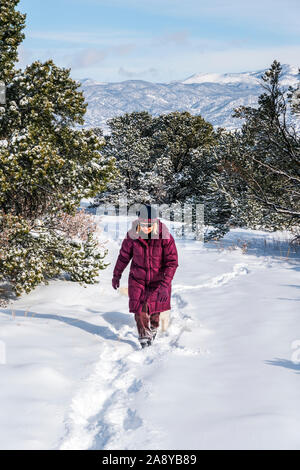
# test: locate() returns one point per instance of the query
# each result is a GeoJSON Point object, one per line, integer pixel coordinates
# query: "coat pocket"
{"type": "Point", "coordinates": [135, 291]}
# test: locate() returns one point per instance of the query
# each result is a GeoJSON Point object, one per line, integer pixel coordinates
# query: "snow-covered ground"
{"type": "Point", "coordinates": [224, 376]}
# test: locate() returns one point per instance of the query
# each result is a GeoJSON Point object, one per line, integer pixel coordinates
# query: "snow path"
{"type": "Point", "coordinates": [217, 281]}
{"type": "Point", "coordinates": [220, 377]}
{"type": "Point", "coordinates": [101, 412]}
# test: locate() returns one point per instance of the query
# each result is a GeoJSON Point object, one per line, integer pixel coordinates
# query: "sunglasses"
{"type": "Point", "coordinates": [146, 224]}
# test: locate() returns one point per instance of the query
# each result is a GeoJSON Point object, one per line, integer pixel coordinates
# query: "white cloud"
{"type": "Point", "coordinates": [178, 38]}
{"type": "Point", "coordinates": [179, 67]}
{"type": "Point", "coordinates": [85, 58]}
{"type": "Point", "coordinates": [137, 73]}
{"type": "Point", "coordinates": [104, 66]}
{"type": "Point", "coordinates": [104, 38]}
{"type": "Point", "coordinates": [90, 56]}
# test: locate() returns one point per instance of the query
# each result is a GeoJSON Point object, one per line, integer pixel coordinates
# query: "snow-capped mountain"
{"type": "Point", "coordinates": [212, 95]}
{"type": "Point", "coordinates": [289, 77]}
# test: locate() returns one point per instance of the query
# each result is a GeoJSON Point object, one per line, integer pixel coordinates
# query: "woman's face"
{"type": "Point", "coordinates": [145, 228]}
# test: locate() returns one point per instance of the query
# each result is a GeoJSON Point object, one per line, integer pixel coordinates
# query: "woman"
{"type": "Point", "coordinates": [154, 262]}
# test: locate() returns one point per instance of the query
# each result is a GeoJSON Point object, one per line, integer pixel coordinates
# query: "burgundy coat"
{"type": "Point", "coordinates": [153, 263]}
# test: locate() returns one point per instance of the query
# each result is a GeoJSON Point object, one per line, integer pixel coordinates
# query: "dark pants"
{"type": "Point", "coordinates": [146, 323]}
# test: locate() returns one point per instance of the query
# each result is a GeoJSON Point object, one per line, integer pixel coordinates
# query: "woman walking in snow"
{"type": "Point", "coordinates": [154, 256]}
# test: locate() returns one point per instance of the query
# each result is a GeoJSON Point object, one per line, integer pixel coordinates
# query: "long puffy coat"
{"type": "Point", "coordinates": [154, 262]}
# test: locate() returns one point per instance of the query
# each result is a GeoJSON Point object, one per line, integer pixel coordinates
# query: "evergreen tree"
{"type": "Point", "coordinates": [166, 160]}
{"type": "Point", "coordinates": [182, 150]}
{"type": "Point", "coordinates": [45, 163]}
{"type": "Point", "coordinates": [46, 167]}
{"type": "Point", "coordinates": [12, 23]}
{"type": "Point", "coordinates": [177, 140]}
{"type": "Point", "coordinates": [262, 161]}
{"type": "Point", "coordinates": [130, 143]}
{"type": "Point", "coordinates": [294, 97]}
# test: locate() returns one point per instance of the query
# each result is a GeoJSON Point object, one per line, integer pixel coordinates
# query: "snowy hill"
{"type": "Point", "coordinates": [224, 375]}
{"type": "Point", "coordinates": [214, 96]}
{"type": "Point", "coordinates": [289, 77]}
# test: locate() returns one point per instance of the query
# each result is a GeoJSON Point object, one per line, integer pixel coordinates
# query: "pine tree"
{"type": "Point", "coordinates": [45, 163]}
{"type": "Point", "coordinates": [46, 167]}
{"type": "Point", "coordinates": [183, 151]}
{"type": "Point", "coordinates": [262, 161]}
{"type": "Point", "coordinates": [12, 23]}
{"type": "Point", "coordinates": [294, 97]}
{"type": "Point", "coordinates": [177, 138]}
{"type": "Point", "coordinates": [166, 160]}
{"type": "Point", "coordinates": [129, 142]}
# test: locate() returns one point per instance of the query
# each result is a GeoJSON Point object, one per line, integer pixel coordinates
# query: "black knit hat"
{"type": "Point", "coordinates": [147, 213]}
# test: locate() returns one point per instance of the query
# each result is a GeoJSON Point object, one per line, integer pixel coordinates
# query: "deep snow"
{"type": "Point", "coordinates": [224, 376]}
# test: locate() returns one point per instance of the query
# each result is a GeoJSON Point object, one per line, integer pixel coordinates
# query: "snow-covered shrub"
{"type": "Point", "coordinates": [77, 226]}
{"type": "Point", "coordinates": [31, 253]}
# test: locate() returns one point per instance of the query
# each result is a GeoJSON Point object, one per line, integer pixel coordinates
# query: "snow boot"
{"type": "Point", "coordinates": [145, 342]}
{"type": "Point", "coordinates": [154, 333]}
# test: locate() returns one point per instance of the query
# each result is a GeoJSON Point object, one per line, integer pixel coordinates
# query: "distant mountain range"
{"type": "Point", "coordinates": [212, 95]}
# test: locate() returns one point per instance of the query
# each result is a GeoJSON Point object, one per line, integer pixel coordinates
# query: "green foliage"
{"type": "Point", "coordinates": [130, 143]}
{"type": "Point", "coordinates": [166, 160]}
{"type": "Point", "coordinates": [46, 167]}
{"type": "Point", "coordinates": [294, 97]}
{"type": "Point", "coordinates": [262, 161]}
{"type": "Point", "coordinates": [44, 162]}
{"type": "Point", "coordinates": [42, 96]}
{"type": "Point", "coordinates": [12, 22]}
{"type": "Point", "coordinates": [179, 141]}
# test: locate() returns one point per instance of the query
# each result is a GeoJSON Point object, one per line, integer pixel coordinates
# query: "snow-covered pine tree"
{"type": "Point", "coordinates": [175, 137]}
{"type": "Point", "coordinates": [46, 167]}
{"type": "Point", "coordinates": [182, 150]}
{"type": "Point", "coordinates": [130, 143]}
{"type": "Point", "coordinates": [229, 180]}
{"type": "Point", "coordinates": [12, 23]}
{"type": "Point", "coordinates": [265, 158]}
{"type": "Point", "coordinates": [294, 97]}
{"type": "Point", "coordinates": [166, 160]}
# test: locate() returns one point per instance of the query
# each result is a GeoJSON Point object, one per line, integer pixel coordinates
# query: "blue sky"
{"type": "Point", "coordinates": [160, 40]}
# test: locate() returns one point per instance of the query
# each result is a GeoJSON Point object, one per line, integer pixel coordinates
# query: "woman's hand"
{"type": "Point", "coordinates": [115, 282]}
{"type": "Point", "coordinates": [162, 293]}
